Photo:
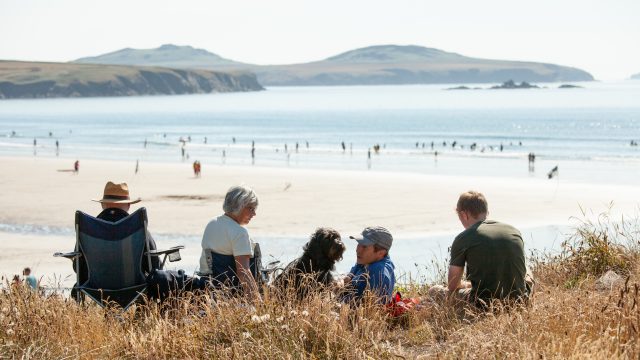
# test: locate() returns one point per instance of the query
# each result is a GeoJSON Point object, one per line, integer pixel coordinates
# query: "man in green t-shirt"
{"type": "Point", "coordinates": [493, 253]}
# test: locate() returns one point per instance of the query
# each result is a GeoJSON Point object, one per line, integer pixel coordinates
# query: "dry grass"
{"type": "Point", "coordinates": [568, 318]}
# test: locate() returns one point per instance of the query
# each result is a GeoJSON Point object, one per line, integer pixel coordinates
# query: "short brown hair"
{"type": "Point", "coordinates": [472, 202]}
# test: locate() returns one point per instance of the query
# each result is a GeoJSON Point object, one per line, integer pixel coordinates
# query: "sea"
{"type": "Point", "coordinates": [589, 134]}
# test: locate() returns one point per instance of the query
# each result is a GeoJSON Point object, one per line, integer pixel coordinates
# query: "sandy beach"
{"type": "Point", "coordinates": [38, 195]}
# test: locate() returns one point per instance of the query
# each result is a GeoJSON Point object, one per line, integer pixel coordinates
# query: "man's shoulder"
{"type": "Point", "coordinates": [497, 226]}
{"type": "Point", "coordinates": [466, 234]}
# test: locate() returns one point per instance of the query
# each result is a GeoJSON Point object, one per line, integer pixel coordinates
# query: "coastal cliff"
{"type": "Point", "coordinates": [374, 65]}
{"type": "Point", "coordinates": [47, 80]}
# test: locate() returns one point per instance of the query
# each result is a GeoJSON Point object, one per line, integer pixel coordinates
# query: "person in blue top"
{"type": "Point", "coordinates": [374, 270]}
{"type": "Point", "coordinates": [30, 279]}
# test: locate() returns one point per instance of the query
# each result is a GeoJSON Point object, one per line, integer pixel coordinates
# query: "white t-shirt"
{"type": "Point", "coordinates": [226, 237]}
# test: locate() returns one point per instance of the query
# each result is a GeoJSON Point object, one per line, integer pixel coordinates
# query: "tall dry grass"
{"type": "Point", "coordinates": [567, 319]}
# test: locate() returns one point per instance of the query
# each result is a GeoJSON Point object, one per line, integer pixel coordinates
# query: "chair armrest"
{"type": "Point", "coordinates": [172, 253]}
{"type": "Point", "coordinates": [69, 255]}
{"type": "Point", "coordinates": [166, 252]}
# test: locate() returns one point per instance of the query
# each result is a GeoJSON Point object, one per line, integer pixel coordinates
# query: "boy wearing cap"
{"type": "Point", "coordinates": [374, 270]}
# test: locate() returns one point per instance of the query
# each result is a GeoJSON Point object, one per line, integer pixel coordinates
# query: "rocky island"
{"type": "Point", "coordinates": [46, 80]}
{"type": "Point", "coordinates": [570, 86]}
{"type": "Point", "coordinates": [513, 85]}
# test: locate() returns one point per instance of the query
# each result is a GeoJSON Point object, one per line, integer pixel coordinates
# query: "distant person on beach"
{"type": "Point", "coordinates": [137, 167]}
{"type": "Point", "coordinates": [227, 249]}
{"type": "Point", "coordinates": [15, 282]}
{"type": "Point", "coordinates": [57, 147]}
{"type": "Point", "coordinates": [493, 254]}
{"type": "Point", "coordinates": [115, 205]}
{"type": "Point", "coordinates": [344, 147]}
{"type": "Point", "coordinates": [374, 271]}
{"type": "Point", "coordinates": [76, 166]}
{"type": "Point", "coordinates": [196, 168]}
{"type": "Point", "coordinates": [532, 160]}
{"type": "Point", "coordinates": [30, 279]}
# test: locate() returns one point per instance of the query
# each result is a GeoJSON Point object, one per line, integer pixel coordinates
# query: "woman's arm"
{"type": "Point", "coordinates": [246, 279]}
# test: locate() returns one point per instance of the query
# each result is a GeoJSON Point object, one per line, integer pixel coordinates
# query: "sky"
{"type": "Point", "coordinates": [601, 37]}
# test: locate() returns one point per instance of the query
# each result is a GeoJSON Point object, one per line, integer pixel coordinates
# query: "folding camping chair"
{"type": "Point", "coordinates": [114, 254]}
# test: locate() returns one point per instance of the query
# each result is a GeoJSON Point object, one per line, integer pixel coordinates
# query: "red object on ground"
{"type": "Point", "coordinates": [399, 306]}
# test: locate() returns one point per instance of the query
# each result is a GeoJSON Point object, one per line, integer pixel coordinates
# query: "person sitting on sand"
{"type": "Point", "coordinates": [227, 248]}
{"type": "Point", "coordinates": [493, 253]}
{"type": "Point", "coordinates": [374, 270]}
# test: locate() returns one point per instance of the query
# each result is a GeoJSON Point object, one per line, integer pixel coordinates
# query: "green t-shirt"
{"type": "Point", "coordinates": [494, 255]}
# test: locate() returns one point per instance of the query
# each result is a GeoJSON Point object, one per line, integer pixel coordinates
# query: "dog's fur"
{"type": "Point", "coordinates": [312, 271]}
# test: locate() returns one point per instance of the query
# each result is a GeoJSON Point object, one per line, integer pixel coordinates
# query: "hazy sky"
{"type": "Point", "coordinates": [602, 37]}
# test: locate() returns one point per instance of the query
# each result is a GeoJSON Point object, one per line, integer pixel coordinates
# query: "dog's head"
{"type": "Point", "coordinates": [325, 247]}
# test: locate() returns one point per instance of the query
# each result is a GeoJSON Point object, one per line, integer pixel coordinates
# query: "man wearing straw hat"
{"type": "Point", "coordinates": [115, 207]}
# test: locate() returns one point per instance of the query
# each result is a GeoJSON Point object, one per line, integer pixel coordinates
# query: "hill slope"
{"type": "Point", "coordinates": [168, 55]}
{"type": "Point", "coordinates": [40, 80]}
{"type": "Point", "coordinates": [384, 64]}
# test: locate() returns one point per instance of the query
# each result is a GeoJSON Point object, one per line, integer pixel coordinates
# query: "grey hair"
{"type": "Point", "coordinates": [237, 198]}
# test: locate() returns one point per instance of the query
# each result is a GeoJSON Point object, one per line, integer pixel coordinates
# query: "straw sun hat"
{"type": "Point", "coordinates": [117, 194]}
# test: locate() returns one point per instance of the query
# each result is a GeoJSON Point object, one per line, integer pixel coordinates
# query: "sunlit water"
{"type": "Point", "coordinates": [586, 132]}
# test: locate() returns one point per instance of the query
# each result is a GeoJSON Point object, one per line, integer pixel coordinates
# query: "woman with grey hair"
{"type": "Point", "coordinates": [227, 249]}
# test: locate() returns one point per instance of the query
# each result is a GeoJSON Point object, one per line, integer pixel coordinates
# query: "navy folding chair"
{"type": "Point", "coordinates": [114, 254]}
